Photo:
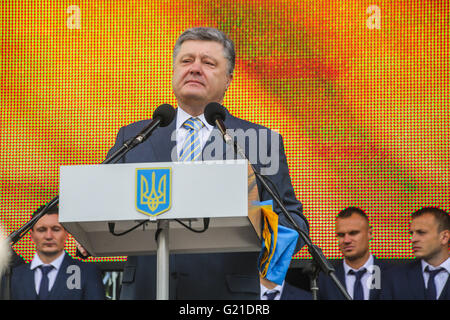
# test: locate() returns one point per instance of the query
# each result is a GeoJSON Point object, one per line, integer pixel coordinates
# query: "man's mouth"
{"type": "Point", "coordinates": [194, 82]}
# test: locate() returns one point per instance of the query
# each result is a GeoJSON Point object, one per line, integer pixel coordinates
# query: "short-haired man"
{"type": "Point", "coordinates": [53, 274]}
{"type": "Point", "coordinates": [426, 278]}
{"type": "Point", "coordinates": [203, 64]}
{"type": "Point", "coordinates": [359, 272]}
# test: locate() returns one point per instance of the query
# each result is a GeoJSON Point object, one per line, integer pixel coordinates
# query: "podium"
{"type": "Point", "coordinates": [94, 197]}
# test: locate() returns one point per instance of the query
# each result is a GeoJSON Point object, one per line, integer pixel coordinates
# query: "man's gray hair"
{"type": "Point", "coordinates": [208, 34]}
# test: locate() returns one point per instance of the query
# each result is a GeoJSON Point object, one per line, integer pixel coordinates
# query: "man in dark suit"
{"type": "Point", "coordinates": [203, 63]}
{"type": "Point", "coordinates": [359, 272]}
{"type": "Point", "coordinates": [53, 274]}
{"type": "Point", "coordinates": [427, 278]}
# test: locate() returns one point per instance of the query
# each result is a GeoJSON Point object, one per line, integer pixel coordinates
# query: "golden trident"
{"type": "Point", "coordinates": [155, 198]}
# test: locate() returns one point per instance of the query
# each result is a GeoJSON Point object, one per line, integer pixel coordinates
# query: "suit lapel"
{"type": "Point", "coordinates": [445, 294]}
{"type": "Point", "coordinates": [60, 284]}
{"type": "Point", "coordinates": [162, 144]}
{"type": "Point", "coordinates": [375, 293]}
{"type": "Point", "coordinates": [340, 274]}
{"type": "Point", "coordinates": [29, 283]}
{"type": "Point", "coordinates": [416, 282]}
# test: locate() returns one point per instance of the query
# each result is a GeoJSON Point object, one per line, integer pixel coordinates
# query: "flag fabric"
{"type": "Point", "coordinates": [278, 245]}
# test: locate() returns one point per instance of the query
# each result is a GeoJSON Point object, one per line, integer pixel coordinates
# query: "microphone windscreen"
{"type": "Point", "coordinates": [166, 113]}
{"type": "Point", "coordinates": [213, 111]}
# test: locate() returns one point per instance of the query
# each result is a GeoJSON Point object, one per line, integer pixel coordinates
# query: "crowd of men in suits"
{"type": "Point", "coordinates": [53, 274]}
{"type": "Point", "coordinates": [368, 278]}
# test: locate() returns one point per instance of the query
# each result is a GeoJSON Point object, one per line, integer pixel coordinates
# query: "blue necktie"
{"type": "Point", "coordinates": [358, 292]}
{"type": "Point", "coordinates": [43, 287]}
{"type": "Point", "coordinates": [430, 292]}
{"type": "Point", "coordinates": [191, 149]}
{"type": "Point", "coordinates": [271, 295]}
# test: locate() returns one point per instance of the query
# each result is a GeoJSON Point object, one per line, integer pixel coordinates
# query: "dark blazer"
{"type": "Point", "coordinates": [329, 291]}
{"type": "Point", "coordinates": [91, 285]}
{"type": "Point", "coordinates": [204, 276]}
{"type": "Point", "coordinates": [406, 282]}
{"type": "Point", "coordinates": [291, 292]}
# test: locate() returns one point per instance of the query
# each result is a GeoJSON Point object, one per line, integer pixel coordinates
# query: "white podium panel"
{"type": "Point", "coordinates": [92, 196]}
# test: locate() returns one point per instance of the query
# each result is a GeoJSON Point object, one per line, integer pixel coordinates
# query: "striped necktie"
{"type": "Point", "coordinates": [191, 149]}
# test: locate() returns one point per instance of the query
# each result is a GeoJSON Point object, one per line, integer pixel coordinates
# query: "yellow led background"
{"type": "Point", "coordinates": [358, 89]}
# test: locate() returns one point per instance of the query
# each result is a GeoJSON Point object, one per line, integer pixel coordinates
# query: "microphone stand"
{"type": "Point", "coordinates": [319, 259]}
{"type": "Point", "coordinates": [18, 234]}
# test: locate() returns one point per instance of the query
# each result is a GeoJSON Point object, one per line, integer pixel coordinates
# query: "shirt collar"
{"type": "Point", "coordinates": [368, 263]}
{"type": "Point", "coordinates": [277, 288]}
{"type": "Point", "coordinates": [182, 116]}
{"type": "Point", "coordinates": [37, 262]}
{"type": "Point", "coordinates": [445, 265]}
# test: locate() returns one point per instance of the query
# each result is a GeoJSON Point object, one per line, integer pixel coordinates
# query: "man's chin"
{"type": "Point", "coordinates": [51, 252]}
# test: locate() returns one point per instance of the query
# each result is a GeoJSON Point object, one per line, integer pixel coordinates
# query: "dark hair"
{"type": "Point", "coordinates": [347, 212]}
{"type": "Point", "coordinates": [53, 210]}
{"type": "Point", "coordinates": [442, 217]}
{"type": "Point", "coordinates": [208, 34]}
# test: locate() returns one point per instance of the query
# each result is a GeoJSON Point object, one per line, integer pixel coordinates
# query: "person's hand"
{"type": "Point", "coordinates": [82, 251]}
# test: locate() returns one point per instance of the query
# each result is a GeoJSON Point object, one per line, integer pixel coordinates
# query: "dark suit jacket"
{"type": "Point", "coordinates": [91, 286]}
{"type": "Point", "coordinates": [291, 292]}
{"type": "Point", "coordinates": [406, 282]}
{"type": "Point", "coordinates": [329, 291]}
{"type": "Point", "coordinates": [203, 276]}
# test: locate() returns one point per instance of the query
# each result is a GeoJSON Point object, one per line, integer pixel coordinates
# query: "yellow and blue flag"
{"type": "Point", "coordinates": [278, 245]}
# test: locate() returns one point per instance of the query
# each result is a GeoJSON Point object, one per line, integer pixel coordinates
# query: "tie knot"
{"type": "Point", "coordinates": [358, 274]}
{"type": "Point", "coordinates": [434, 272]}
{"type": "Point", "coordinates": [271, 294]}
{"type": "Point", "coordinates": [46, 269]}
{"type": "Point", "coordinates": [193, 124]}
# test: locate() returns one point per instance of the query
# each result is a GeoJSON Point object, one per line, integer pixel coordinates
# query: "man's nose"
{"type": "Point", "coordinates": [195, 67]}
{"type": "Point", "coordinates": [49, 234]}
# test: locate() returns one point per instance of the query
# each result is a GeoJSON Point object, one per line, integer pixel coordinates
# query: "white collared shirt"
{"type": "Point", "coordinates": [182, 132]}
{"type": "Point", "coordinates": [350, 279]}
{"type": "Point", "coordinates": [37, 262]}
{"type": "Point", "coordinates": [440, 279]}
{"type": "Point", "coordinates": [264, 290]}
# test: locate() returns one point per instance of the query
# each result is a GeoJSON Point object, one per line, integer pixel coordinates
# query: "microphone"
{"type": "Point", "coordinates": [162, 117]}
{"type": "Point", "coordinates": [215, 115]}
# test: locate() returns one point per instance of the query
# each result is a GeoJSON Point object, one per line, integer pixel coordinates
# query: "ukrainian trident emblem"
{"type": "Point", "coordinates": [153, 190]}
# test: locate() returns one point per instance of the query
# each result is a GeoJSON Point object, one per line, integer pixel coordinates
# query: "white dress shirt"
{"type": "Point", "coordinates": [264, 290]}
{"type": "Point", "coordinates": [182, 132]}
{"type": "Point", "coordinates": [350, 279]}
{"type": "Point", "coordinates": [440, 279]}
{"type": "Point", "coordinates": [37, 262]}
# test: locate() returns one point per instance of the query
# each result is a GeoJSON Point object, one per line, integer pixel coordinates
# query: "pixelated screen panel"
{"type": "Point", "coordinates": [358, 89]}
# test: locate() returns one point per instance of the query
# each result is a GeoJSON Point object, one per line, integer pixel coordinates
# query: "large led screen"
{"type": "Point", "coordinates": [358, 89]}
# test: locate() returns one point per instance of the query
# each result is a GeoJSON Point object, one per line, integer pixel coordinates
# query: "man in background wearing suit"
{"type": "Point", "coordinates": [427, 278]}
{"type": "Point", "coordinates": [203, 64]}
{"type": "Point", "coordinates": [53, 274]}
{"type": "Point", "coordinates": [360, 272]}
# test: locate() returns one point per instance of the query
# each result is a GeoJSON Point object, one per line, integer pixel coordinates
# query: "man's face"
{"type": "Point", "coordinates": [200, 73]}
{"type": "Point", "coordinates": [354, 235]}
{"type": "Point", "coordinates": [426, 241]}
{"type": "Point", "coordinates": [49, 235]}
